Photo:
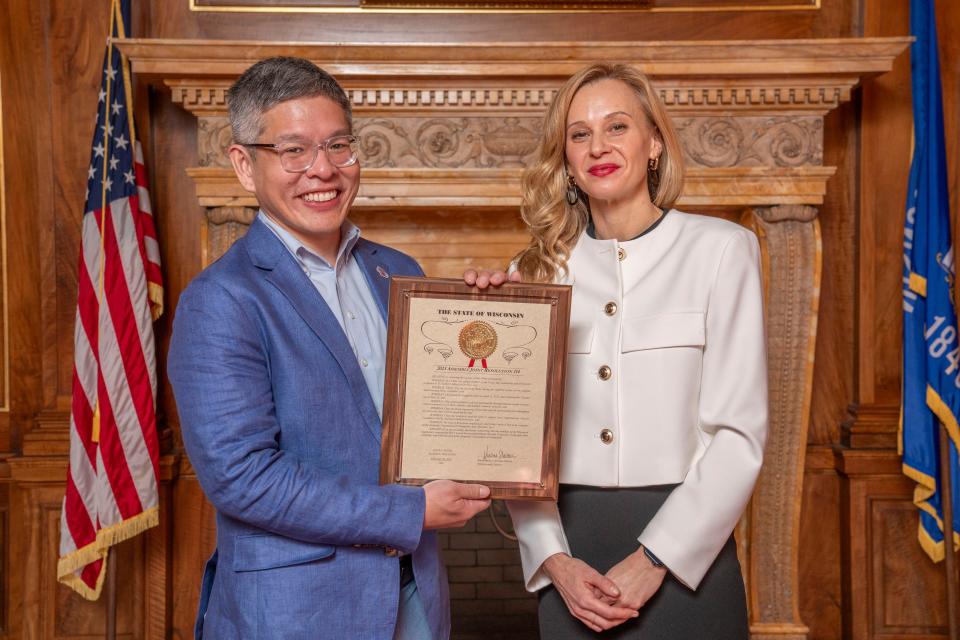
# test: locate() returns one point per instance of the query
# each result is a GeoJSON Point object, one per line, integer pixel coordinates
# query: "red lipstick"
{"type": "Point", "coordinates": [602, 170]}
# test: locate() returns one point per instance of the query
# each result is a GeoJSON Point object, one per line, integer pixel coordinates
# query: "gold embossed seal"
{"type": "Point", "coordinates": [478, 340]}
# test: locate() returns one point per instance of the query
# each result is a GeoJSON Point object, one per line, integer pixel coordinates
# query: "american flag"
{"type": "Point", "coordinates": [111, 491]}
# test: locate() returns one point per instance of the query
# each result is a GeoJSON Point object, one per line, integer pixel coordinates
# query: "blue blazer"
{"type": "Point", "coordinates": [285, 440]}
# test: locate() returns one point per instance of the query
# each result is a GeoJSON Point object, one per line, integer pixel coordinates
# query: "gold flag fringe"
{"type": "Point", "coordinates": [68, 566]}
{"type": "Point", "coordinates": [927, 484]}
{"type": "Point", "coordinates": [155, 295]}
{"type": "Point", "coordinates": [73, 581]}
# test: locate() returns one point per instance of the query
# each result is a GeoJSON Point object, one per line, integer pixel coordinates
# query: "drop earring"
{"type": "Point", "coordinates": [573, 196]}
{"type": "Point", "coordinates": [653, 164]}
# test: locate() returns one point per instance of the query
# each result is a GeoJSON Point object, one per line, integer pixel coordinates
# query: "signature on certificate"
{"type": "Point", "coordinates": [497, 454]}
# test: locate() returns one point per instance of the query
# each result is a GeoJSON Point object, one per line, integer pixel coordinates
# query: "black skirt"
{"type": "Point", "coordinates": [602, 526]}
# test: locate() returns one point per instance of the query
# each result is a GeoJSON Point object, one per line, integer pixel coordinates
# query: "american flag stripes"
{"type": "Point", "coordinates": [111, 492]}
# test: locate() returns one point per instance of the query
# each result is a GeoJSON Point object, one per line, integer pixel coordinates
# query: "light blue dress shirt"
{"type": "Point", "coordinates": [344, 288]}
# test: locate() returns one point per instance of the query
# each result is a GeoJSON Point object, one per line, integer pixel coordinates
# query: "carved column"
{"type": "Point", "coordinates": [790, 237]}
{"type": "Point", "coordinates": [224, 226]}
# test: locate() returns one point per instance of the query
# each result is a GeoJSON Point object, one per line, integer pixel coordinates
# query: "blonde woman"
{"type": "Point", "coordinates": [666, 400]}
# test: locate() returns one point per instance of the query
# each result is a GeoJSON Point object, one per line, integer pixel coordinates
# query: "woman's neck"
{"type": "Point", "coordinates": [624, 221]}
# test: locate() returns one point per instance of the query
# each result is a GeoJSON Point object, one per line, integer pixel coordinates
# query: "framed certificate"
{"type": "Point", "coordinates": [474, 385]}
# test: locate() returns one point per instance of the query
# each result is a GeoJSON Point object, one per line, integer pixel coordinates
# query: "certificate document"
{"type": "Point", "coordinates": [474, 385]}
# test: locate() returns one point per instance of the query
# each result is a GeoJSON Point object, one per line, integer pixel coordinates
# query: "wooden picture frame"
{"type": "Point", "coordinates": [497, 6]}
{"type": "Point", "coordinates": [461, 400]}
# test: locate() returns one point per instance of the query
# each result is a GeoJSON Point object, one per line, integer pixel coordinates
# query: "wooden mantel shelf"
{"type": "Point", "coordinates": [756, 77]}
{"type": "Point", "coordinates": [852, 57]}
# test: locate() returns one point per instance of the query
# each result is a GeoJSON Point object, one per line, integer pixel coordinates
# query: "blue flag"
{"type": "Point", "coordinates": [931, 350]}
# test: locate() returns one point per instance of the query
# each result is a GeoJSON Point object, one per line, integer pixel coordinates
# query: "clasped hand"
{"type": "Point", "coordinates": [603, 602]}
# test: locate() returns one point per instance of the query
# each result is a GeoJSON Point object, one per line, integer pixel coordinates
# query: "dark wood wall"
{"type": "Point", "coordinates": [861, 571]}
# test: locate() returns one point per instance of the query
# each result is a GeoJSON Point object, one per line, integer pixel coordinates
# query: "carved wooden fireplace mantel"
{"type": "Point", "coordinates": [447, 129]}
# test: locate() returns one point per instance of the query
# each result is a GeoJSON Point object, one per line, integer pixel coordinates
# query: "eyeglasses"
{"type": "Point", "coordinates": [297, 157]}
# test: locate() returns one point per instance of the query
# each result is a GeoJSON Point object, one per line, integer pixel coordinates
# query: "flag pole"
{"type": "Point", "coordinates": [111, 612]}
{"type": "Point", "coordinates": [946, 500]}
{"type": "Point", "coordinates": [112, 595]}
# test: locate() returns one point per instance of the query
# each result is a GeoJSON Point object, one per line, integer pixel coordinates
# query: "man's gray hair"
{"type": "Point", "coordinates": [272, 81]}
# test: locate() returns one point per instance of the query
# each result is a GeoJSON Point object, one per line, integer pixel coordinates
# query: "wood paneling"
{"type": "Point", "coordinates": [46, 609]}
{"type": "Point", "coordinates": [835, 18]}
{"type": "Point", "coordinates": [50, 610]}
{"type": "Point", "coordinates": [902, 577]}
{"type": "Point", "coordinates": [820, 527]}
{"type": "Point", "coordinates": [454, 242]}
{"type": "Point", "coordinates": [4, 545]}
{"type": "Point", "coordinates": [50, 56]}
{"type": "Point", "coordinates": [4, 287]}
{"type": "Point", "coordinates": [178, 221]}
{"type": "Point", "coordinates": [893, 590]}
{"type": "Point", "coordinates": [948, 23]}
{"type": "Point", "coordinates": [886, 127]}
{"type": "Point", "coordinates": [19, 60]}
{"type": "Point", "coordinates": [76, 53]}
{"type": "Point", "coordinates": [193, 541]}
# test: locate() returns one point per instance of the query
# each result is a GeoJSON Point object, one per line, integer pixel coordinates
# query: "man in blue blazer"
{"type": "Point", "coordinates": [276, 362]}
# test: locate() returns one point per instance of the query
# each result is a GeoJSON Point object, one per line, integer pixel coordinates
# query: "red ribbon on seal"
{"type": "Point", "coordinates": [483, 363]}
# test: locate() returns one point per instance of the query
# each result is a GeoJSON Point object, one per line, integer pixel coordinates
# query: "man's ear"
{"type": "Point", "coordinates": [242, 166]}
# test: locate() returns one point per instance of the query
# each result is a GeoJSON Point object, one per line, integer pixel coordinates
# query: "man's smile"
{"type": "Point", "coordinates": [320, 196]}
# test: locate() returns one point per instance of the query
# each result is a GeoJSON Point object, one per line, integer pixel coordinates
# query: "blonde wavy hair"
{"type": "Point", "coordinates": [555, 225]}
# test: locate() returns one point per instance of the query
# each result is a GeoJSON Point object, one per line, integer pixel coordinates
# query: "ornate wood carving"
{"type": "Point", "coordinates": [441, 143]}
{"type": "Point", "coordinates": [737, 95]}
{"type": "Point", "coordinates": [448, 128]}
{"type": "Point", "coordinates": [790, 236]}
{"type": "Point", "coordinates": [225, 225]}
{"type": "Point", "coordinates": [748, 141]}
{"type": "Point", "coordinates": [503, 142]}
{"type": "Point", "coordinates": [213, 139]}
